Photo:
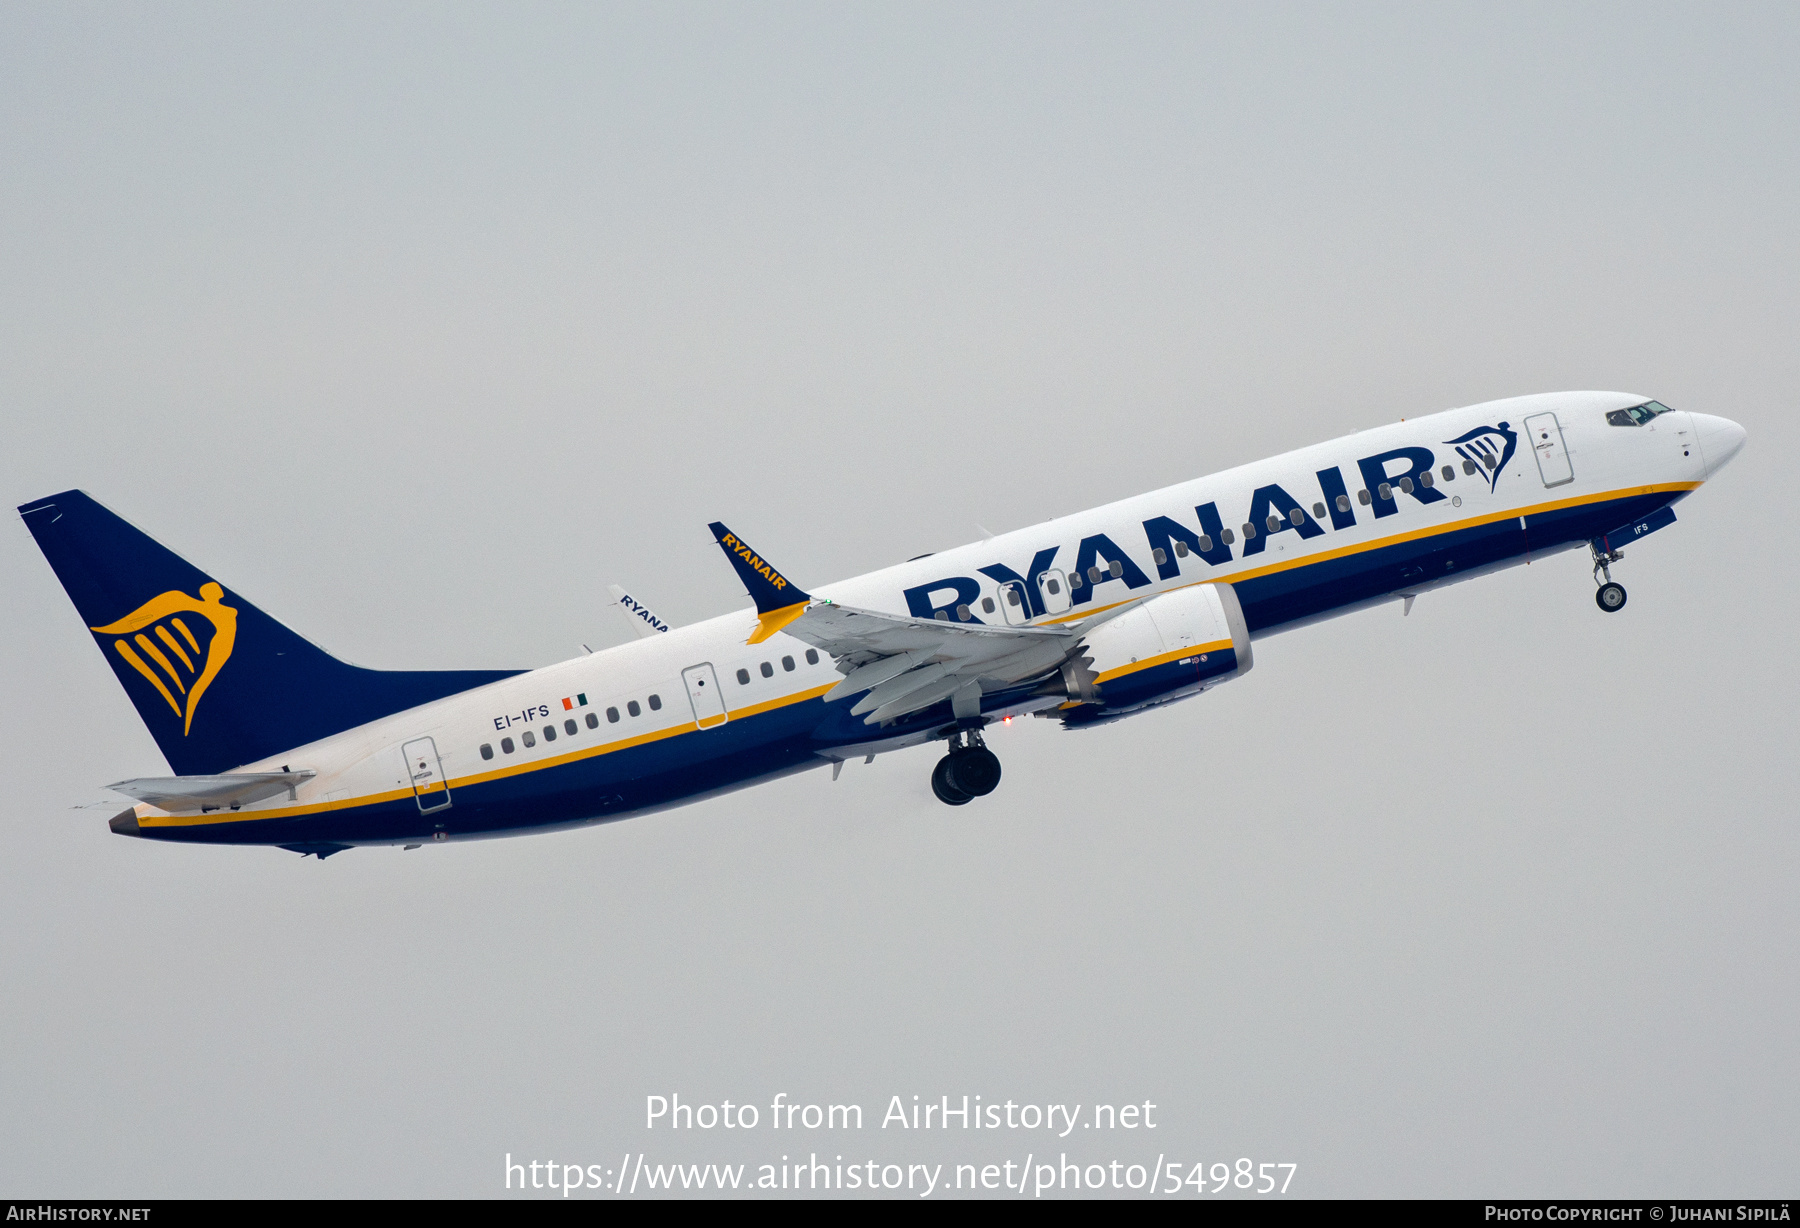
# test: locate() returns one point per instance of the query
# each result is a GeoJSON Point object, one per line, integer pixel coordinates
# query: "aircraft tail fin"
{"type": "Point", "coordinates": [218, 682]}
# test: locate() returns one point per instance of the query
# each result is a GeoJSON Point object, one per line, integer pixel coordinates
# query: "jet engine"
{"type": "Point", "coordinates": [1166, 648]}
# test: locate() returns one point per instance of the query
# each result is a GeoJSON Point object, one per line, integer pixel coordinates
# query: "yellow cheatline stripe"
{"type": "Point", "coordinates": [162, 633]}
{"type": "Point", "coordinates": [187, 635]}
{"type": "Point", "coordinates": [455, 783]}
{"type": "Point", "coordinates": [1163, 659]}
{"type": "Point", "coordinates": [1414, 535]}
{"type": "Point", "coordinates": [136, 662]}
{"type": "Point", "coordinates": [143, 641]}
{"type": "Point", "coordinates": [772, 704]}
{"type": "Point", "coordinates": [768, 624]}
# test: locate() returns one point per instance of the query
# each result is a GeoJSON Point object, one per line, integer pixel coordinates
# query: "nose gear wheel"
{"type": "Point", "coordinates": [1611, 596]}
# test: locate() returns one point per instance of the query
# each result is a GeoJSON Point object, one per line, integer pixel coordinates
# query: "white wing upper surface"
{"type": "Point", "coordinates": [907, 664]}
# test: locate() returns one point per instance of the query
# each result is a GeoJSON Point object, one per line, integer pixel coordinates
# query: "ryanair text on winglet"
{"type": "Point", "coordinates": [744, 552]}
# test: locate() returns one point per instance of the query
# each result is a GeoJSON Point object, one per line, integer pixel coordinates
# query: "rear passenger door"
{"type": "Point", "coordinates": [429, 787]}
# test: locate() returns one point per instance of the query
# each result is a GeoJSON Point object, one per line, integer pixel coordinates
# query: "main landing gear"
{"type": "Point", "coordinates": [1611, 596]}
{"type": "Point", "coordinates": [969, 771]}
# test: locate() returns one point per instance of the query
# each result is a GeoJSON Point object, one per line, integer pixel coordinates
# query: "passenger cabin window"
{"type": "Point", "coordinates": [1385, 491]}
{"type": "Point", "coordinates": [768, 671]}
{"type": "Point", "coordinates": [1274, 524]}
{"type": "Point", "coordinates": [549, 733]}
{"type": "Point", "coordinates": [1224, 536]}
{"type": "Point", "coordinates": [1343, 503]}
{"type": "Point", "coordinates": [1362, 497]}
{"type": "Point", "coordinates": [963, 614]}
{"type": "Point", "coordinates": [743, 677]}
{"type": "Point", "coordinates": [787, 663]}
{"type": "Point", "coordinates": [1406, 486]}
{"type": "Point", "coordinates": [1117, 569]}
{"type": "Point", "coordinates": [656, 703]}
{"type": "Point", "coordinates": [987, 605]}
{"type": "Point", "coordinates": [1449, 472]}
{"type": "Point", "coordinates": [1318, 511]}
{"type": "Point", "coordinates": [1296, 517]}
{"type": "Point", "coordinates": [812, 654]}
{"type": "Point", "coordinates": [1074, 581]}
{"type": "Point", "coordinates": [630, 707]}
{"type": "Point", "coordinates": [1159, 555]}
{"type": "Point", "coordinates": [528, 739]}
{"type": "Point", "coordinates": [506, 746]}
{"type": "Point", "coordinates": [1468, 466]}
{"type": "Point", "coordinates": [612, 715]}
{"type": "Point", "coordinates": [1249, 530]}
{"type": "Point", "coordinates": [1181, 551]}
{"type": "Point", "coordinates": [593, 722]}
{"type": "Point", "coordinates": [1425, 478]}
{"type": "Point", "coordinates": [1053, 587]}
{"type": "Point", "coordinates": [487, 751]}
{"type": "Point", "coordinates": [570, 727]}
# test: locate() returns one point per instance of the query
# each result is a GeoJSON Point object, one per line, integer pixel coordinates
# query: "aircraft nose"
{"type": "Point", "coordinates": [1720, 440]}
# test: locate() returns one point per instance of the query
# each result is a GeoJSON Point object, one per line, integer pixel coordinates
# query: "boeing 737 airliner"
{"type": "Point", "coordinates": [1088, 618]}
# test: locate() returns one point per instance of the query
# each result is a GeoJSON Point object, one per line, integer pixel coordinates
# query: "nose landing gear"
{"type": "Point", "coordinates": [969, 771]}
{"type": "Point", "coordinates": [1611, 596]}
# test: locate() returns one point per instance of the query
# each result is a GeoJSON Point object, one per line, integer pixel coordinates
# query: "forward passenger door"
{"type": "Point", "coordinates": [1546, 437]}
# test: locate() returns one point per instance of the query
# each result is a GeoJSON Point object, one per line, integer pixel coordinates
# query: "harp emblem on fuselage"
{"type": "Point", "coordinates": [157, 642]}
{"type": "Point", "coordinates": [1489, 447]}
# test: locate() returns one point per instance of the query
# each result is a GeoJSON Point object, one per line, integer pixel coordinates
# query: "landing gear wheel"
{"type": "Point", "coordinates": [975, 771]}
{"type": "Point", "coordinates": [1610, 598]}
{"type": "Point", "coordinates": [947, 793]}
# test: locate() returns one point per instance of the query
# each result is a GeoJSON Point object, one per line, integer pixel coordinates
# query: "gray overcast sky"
{"type": "Point", "coordinates": [420, 324]}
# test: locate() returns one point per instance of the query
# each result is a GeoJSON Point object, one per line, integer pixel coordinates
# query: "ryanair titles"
{"type": "Point", "coordinates": [1043, 588]}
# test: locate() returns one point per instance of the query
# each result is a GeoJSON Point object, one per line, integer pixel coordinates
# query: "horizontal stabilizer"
{"type": "Point", "coordinates": [231, 789]}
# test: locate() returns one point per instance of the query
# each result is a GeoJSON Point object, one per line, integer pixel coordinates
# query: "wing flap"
{"type": "Point", "coordinates": [907, 664]}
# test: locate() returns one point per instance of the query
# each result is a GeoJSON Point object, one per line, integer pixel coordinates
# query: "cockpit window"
{"type": "Point", "coordinates": [1637, 415]}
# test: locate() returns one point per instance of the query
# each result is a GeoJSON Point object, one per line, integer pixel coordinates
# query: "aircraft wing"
{"type": "Point", "coordinates": [906, 664]}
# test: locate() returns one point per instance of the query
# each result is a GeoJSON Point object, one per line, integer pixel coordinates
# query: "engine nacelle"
{"type": "Point", "coordinates": [1170, 647]}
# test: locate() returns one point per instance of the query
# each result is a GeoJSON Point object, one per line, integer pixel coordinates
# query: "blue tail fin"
{"type": "Point", "coordinates": [218, 682]}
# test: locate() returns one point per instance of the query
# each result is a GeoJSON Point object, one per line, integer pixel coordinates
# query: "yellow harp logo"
{"type": "Point", "coordinates": [159, 614]}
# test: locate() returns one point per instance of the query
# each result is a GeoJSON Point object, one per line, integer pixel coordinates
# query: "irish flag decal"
{"type": "Point", "coordinates": [570, 704]}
